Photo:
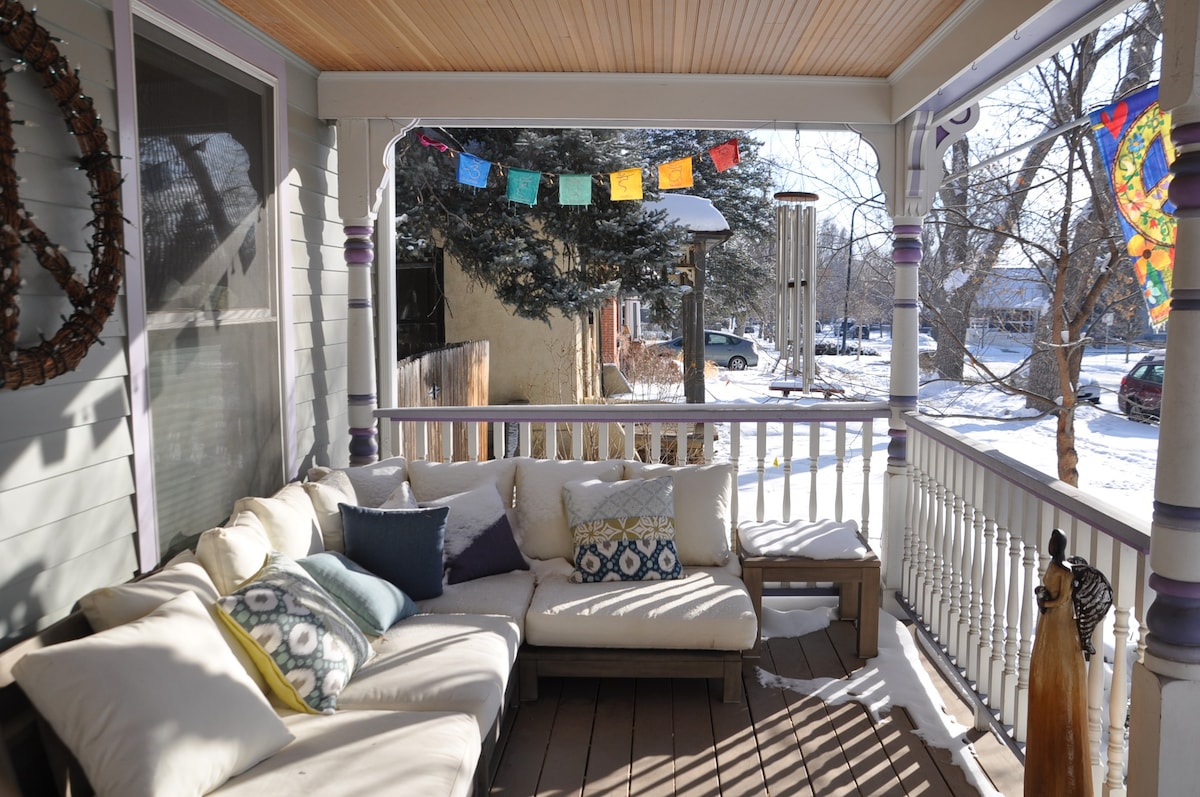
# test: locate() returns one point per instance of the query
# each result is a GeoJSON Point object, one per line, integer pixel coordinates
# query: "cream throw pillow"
{"type": "Point", "coordinates": [325, 495]}
{"type": "Point", "coordinates": [703, 496]}
{"type": "Point", "coordinates": [289, 520]}
{"type": "Point", "coordinates": [154, 707]}
{"type": "Point", "coordinates": [541, 517]}
{"type": "Point", "coordinates": [232, 554]}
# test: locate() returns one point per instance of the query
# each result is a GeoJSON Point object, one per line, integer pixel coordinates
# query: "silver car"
{"type": "Point", "coordinates": [726, 350]}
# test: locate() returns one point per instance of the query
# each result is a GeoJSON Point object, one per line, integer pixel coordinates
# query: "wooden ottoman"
{"type": "Point", "coordinates": [816, 551]}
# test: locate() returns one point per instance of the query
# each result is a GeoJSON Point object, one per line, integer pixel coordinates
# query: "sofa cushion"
{"type": "Point", "coordinates": [288, 518]}
{"type": "Point", "coordinates": [156, 706]}
{"type": "Point", "coordinates": [400, 498]}
{"type": "Point", "coordinates": [817, 539]}
{"type": "Point", "coordinates": [402, 545]}
{"type": "Point", "coordinates": [373, 603]}
{"type": "Point", "coordinates": [426, 753]}
{"type": "Point", "coordinates": [541, 518]}
{"type": "Point", "coordinates": [109, 607]}
{"type": "Point", "coordinates": [372, 483]}
{"type": "Point", "coordinates": [452, 662]}
{"type": "Point", "coordinates": [234, 553]}
{"type": "Point", "coordinates": [708, 609]}
{"type": "Point", "coordinates": [703, 497]}
{"type": "Point", "coordinates": [622, 531]}
{"type": "Point", "coordinates": [433, 480]}
{"type": "Point", "coordinates": [506, 594]}
{"type": "Point", "coordinates": [479, 538]}
{"type": "Point", "coordinates": [305, 646]}
{"type": "Point", "coordinates": [326, 495]}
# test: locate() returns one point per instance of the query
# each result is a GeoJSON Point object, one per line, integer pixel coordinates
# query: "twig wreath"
{"type": "Point", "coordinates": [93, 300]}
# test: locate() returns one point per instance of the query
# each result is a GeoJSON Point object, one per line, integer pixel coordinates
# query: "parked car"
{"type": "Point", "coordinates": [1140, 395]}
{"type": "Point", "coordinates": [726, 350]}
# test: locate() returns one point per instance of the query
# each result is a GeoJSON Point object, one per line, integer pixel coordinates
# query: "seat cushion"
{"type": "Point", "coordinates": [708, 609]}
{"type": "Point", "coordinates": [817, 539]}
{"type": "Point", "coordinates": [430, 662]}
{"type": "Point", "coordinates": [506, 594]}
{"type": "Point", "coordinates": [427, 753]}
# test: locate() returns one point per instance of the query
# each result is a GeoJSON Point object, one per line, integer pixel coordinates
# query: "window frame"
{"type": "Point", "coordinates": [219, 37]}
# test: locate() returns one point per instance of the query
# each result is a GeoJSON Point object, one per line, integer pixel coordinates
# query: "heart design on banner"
{"type": "Point", "coordinates": [1117, 120]}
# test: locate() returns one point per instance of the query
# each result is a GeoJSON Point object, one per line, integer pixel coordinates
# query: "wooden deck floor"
{"type": "Point", "coordinates": [659, 737]}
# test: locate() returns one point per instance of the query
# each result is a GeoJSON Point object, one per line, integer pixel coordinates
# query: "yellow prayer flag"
{"type": "Point", "coordinates": [626, 184]}
{"type": "Point", "coordinates": [676, 174]}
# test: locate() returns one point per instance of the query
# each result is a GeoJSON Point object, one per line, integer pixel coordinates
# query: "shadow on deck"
{"type": "Point", "coordinates": [659, 737]}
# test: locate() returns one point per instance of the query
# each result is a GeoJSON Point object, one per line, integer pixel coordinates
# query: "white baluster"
{"type": "Point", "coordinates": [1124, 583]}
{"type": "Point", "coordinates": [1012, 639]}
{"type": "Point", "coordinates": [868, 444]}
{"type": "Point", "coordinates": [735, 451]}
{"type": "Point", "coordinates": [839, 469]}
{"type": "Point", "coordinates": [814, 459]}
{"type": "Point", "coordinates": [1030, 573]}
{"type": "Point", "coordinates": [787, 470]}
{"type": "Point", "coordinates": [760, 511]}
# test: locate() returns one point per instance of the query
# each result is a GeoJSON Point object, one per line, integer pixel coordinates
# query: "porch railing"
{"type": "Point", "coordinates": [768, 444]}
{"type": "Point", "coordinates": [977, 527]}
{"type": "Point", "coordinates": [973, 526]}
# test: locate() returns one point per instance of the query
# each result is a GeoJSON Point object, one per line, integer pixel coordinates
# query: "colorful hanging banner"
{"type": "Point", "coordinates": [626, 184]}
{"type": "Point", "coordinates": [725, 156]}
{"type": "Point", "coordinates": [676, 174]}
{"type": "Point", "coordinates": [523, 186]}
{"type": "Point", "coordinates": [1134, 136]}
{"type": "Point", "coordinates": [472, 170]}
{"type": "Point", "coordinates": [574, 189]}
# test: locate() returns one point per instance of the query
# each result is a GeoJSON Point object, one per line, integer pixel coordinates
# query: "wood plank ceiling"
{"type": "Point", "coordinates": [827, 38]}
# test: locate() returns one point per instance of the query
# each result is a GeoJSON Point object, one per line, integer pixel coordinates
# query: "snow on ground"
{"type": "Point", "coordinates": [1117, 459]}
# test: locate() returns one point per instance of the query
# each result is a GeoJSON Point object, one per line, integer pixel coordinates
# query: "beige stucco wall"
{"type": "Point", "coordinates": [541, 363]}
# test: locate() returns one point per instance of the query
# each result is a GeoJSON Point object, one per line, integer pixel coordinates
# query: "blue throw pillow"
{"type": "Point", "coordinates": [373, 603]}
{"type": "Point", "coordinates": [403, 546]}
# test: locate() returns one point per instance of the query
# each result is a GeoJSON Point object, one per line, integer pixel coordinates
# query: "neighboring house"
{"type": "Point", "coordinates": [1012, 299]}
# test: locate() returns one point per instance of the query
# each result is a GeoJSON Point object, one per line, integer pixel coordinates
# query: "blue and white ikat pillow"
{"type": "Point", "coordinates": [623, 531]}
{"type": "Point", "coordinates": [303, 643]}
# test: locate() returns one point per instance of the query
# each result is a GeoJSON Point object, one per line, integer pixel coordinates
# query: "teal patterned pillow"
{"type": "Point", "coordinates": [623, 531]}
{"type": "Point", "coordinates": [302, 642]}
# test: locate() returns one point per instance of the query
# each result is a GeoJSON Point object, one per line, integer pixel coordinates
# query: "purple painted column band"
{"type": "Point", "coordinates": [1185, 299]}
{"type": "Point", "coordinates": [362, 398]}
{"type": "Point", "coordinates": [1184, 191]}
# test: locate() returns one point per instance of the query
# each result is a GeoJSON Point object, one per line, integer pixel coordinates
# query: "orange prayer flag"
{"type": "Point", "coordinates": [725, 156]}
{"type": "Point", "coordinates": [676, 174]}
{"type": "Point", "coordinates": [626, 184]}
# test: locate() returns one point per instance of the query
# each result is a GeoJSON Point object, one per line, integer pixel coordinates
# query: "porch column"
{"type": "Point", "coordinates": [1166, 686]}
{"type": "Point", "coordinates": [906, 256]}
{"type": "Point", "coordinates": [366, 160]}
{"type": "Point", "coordinates": [360, 369]}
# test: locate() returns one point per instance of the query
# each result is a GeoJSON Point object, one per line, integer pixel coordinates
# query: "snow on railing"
{"type": "Point", "coordinates": [975, 546]}
{"type": "Point", "coordinates": [760, 439]}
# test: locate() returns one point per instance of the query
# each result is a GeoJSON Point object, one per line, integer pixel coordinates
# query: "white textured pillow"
{"type": "Point", "coordinates": [372, 483]}
{"type": "Point", "coordinates": [433, 480]}
{"type": "Point", "coordinates": [157, 706]}
{"type": "Point", "coordinates": [401, 498]}
{"type": "Point", "coordinates": [289, 520]}
{"type": "Point", "coordinates": [541, 519]}
{"type": "Point", "coordinates": [325, 495]}
{"type": "Point", "coordinates": [109, 607]}
{"type": "Point", "coordinates": [232, 554]}
{"type": "Point", "coordinates": [703, 494]}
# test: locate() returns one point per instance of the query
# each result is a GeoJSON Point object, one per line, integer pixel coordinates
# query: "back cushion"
{"type": "Point", "coordinates": [289, 520]}
{"type": "Point", "coordinates": [372, 483]}
{"type": "Point", "coordinates": [541, 518]}
{"type": "Point", "coordinates": [703, 494]}
{"type": "Point", "coordinates": [433, 480]}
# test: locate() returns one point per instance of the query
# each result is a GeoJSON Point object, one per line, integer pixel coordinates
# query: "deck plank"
{"type": "Point", "coordinates": [695, 747]}
{"type": "Point", "coordinates": [739, 765]}
{"type": "Point", "coordinates": [814, 721]}
{"type": "Point", "coordinates": [612, 751]}
{"type": "Point", "coordinates": [523, 750]}
{"type": "Point", "coordinates": [649, 737]}
{"type": "Point", "coordinates": [566, 756]}
{"type": "Point", "coordinates": [652, 772]}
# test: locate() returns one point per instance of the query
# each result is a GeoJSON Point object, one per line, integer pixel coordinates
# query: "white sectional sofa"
{"type": "Point", "coordinates": [361, 630]}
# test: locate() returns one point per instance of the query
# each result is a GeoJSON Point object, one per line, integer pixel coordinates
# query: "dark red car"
{"type": "Point", "coordinates": [1140, 395]}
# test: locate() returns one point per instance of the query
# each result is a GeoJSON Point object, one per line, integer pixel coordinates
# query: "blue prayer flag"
{"type": "Point", "coordinates": [472, 170]}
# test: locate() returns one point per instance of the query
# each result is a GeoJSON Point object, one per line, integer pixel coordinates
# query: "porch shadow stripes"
{"type": "Point", "coordinates": [661, 737]}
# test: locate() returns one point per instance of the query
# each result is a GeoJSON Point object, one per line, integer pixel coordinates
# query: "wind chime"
{"type": "Point", "coordinates": [796, 226]}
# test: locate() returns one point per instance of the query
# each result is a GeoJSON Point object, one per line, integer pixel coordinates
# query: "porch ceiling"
{"type": "Point", "coordinates": [747, 62]}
